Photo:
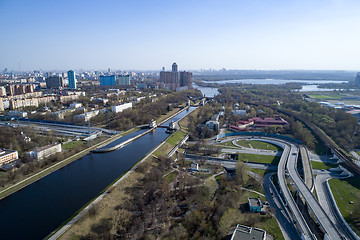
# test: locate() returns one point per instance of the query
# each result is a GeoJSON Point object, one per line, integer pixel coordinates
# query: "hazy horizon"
{"type": "Point", "coordinates": [148, 35]}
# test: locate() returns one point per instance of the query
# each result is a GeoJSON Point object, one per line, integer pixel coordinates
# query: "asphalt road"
{"type": "Point", "coordinates": [312, 202]}
{"type": "Point", "coordinates": [329, 207]}
{"type": "Point", "coordinates": [289, 200]}
{"type": "Point", "coordinates": [282, 215]}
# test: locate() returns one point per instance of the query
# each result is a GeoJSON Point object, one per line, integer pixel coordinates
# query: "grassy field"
{"type": "Point", "coordinates": [71, 145]}
{"type": "Point", "coordinates": [258, 171]}
{"type": "Point", "coordinates": [258, 145]}
{"type": "Point", "coordinates": [176, 138]}
{"type": "Point", "coordinates": [325, 96]}
{"type": "Point", "coordinates": [321, 165]}
{"type": "Point", "coordinates": [170, 177]}
{"type": "Point", "coordinates": [246, 157]}
{"type": "Point", "coordinates": [171, 142]}
{"type": "Point", "coordinates": [345, 191]}
{"type": "Point", "coordinates": [228, 144]}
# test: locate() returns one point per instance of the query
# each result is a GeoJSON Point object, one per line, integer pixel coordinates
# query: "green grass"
{"type": "Point", "coordinates": [228, 144]}
{"type": "Point", "coordinates": [325, 96]}
{"type": "Point", "coordinates": [170, 177]}
{"type": "Point", "coordinates": [71, 145]}
{"type": "Point", "coordinates": [176, 138]}
{"type": "Point", "coordinates": [246, 157]}
{"type": "Point", "coordinates": [265, 146]}
{"type": "Point", "coordinates": [345, 191]}
{"type": "Point", "coordinates": [260, 172]}
{"type": "Point", "coordinates": [321, 165]}
{"type": "Point", "coordinates": [258, 145]}
{"type": "Point", "coordinates": [243, 143]}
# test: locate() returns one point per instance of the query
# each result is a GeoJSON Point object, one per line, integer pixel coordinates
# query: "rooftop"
{"type": "Point", "coordinates": [5, 151]}
{"type": "Point", "coordinates": [254, 202]}
{"type": "Point", "coordinates": [46, 147]}
{"type": "Point", "coordinates": [248, 233]}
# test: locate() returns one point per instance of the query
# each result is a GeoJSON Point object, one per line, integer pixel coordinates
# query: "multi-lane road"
{"type": "Point", "coordinates": [329, 220]}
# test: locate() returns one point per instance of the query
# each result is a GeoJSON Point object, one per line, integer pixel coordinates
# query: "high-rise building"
{"type": "Point", "coordinates": [107, 80]}
{"type": "Point", "coordinates": [123, 80]}
{"type": "Point", "coordinates": [54, 82]}
{"type": "Point", "coordinates": [71, 79]}
{"type": "Point", "coordinates": [173, 80]}
{"type": "Point", "coordinates": [357, 79]}
{"type": "Point", "coordinates": [174, 67]}
{"type": "Point", "coordinates": [186, 79]}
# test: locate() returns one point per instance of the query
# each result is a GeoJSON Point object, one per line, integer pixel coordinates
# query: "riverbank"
{"type": "Point", "coordinates": [116, 194]}
{"type": "Point", "coordinates": [39, 175]}
{"type": "Point", "coordinates": [56, 166]}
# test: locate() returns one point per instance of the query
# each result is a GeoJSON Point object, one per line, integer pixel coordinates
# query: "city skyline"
{"type": "Point", "coordinates": [141, 35]}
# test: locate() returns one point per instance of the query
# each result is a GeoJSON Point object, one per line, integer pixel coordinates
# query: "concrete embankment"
{"type": "Point", "coordinates": [103, 150]}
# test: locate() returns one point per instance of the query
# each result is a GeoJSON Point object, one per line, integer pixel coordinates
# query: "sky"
{"type": "Point", "coordinates": [197, 34]}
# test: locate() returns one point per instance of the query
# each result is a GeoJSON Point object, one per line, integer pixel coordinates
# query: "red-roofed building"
{"type": "Point", "coordinates": [258, 122]}
{"type": "Point", "coordinates": [266, 122]}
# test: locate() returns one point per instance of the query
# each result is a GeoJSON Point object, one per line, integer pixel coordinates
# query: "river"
{"type": "Point", "coordinates": [274, 81]}
{"type": "Point", "coordinates": [309, 85]}
{"type": "Point", "coordinates": [40, 208]}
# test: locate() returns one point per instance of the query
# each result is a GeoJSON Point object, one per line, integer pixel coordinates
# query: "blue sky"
{"type": "Point", "coordinates": [147, 35]}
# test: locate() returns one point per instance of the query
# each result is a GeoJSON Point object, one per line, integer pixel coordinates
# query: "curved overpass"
{"type": "Point", "coordinates": [319, 213]}
{"type": "Point", "coordinates": [298, 217]}
{"type": "Point", "coordinates": [288, 164]}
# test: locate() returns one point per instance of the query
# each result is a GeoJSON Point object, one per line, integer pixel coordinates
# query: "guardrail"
{"type": "Point", "coordinates": [337, 212]}
{"type": "Point", "coordinates": [177, 146]}
{"type": "Point", "coordinates": [259, 134]}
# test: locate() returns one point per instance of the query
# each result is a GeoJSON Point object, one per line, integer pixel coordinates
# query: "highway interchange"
{"type": "Point", "coordinates": [292, 222]}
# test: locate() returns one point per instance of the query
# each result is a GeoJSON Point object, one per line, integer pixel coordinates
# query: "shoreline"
{"type": "Point", "coordinates": [56, 234]}
{"type": "Point", "coordinates": [43, 173]}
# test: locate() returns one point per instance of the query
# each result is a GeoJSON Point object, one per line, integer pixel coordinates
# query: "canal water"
{"type": "Point", "coordinates": [40, 208]}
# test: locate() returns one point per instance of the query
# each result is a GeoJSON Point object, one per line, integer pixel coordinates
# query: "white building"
{"type": "Point", "coordinates": [46, 151]}
{"type": "Point", "coordinates": [120, 108]}
{"type": "Point", "coordinates": [194, 167]}
{"type": "Point", "coordinates": [87, 116]}
{"type": "Point", "coordinates": [75, 105]}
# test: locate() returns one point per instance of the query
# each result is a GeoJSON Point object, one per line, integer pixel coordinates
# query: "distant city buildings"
{"type": "Point", "coordinates": [71, 79]}
{"type": "Point", "coordinates": [357, 79]}
{"type": "Point", "coordinates": [16, 89]}
{"type": "Point", "coordinates": [120, 80]}
{"type": "Point", "coordinates": [123, 80]}
{"type": "Point", "coordinates": [173, 80]}
{"type": "Point", "coordinates": [54, 82]}
{"type": "Point", "coordinates": [108, 80]}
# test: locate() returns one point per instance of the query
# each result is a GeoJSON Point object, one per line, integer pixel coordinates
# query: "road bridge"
{"type": "Point", "coordinates": [319, 213]}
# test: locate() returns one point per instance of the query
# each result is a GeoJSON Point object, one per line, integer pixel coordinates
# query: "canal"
{"type": "Point", "coordinates": [40, 208]}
